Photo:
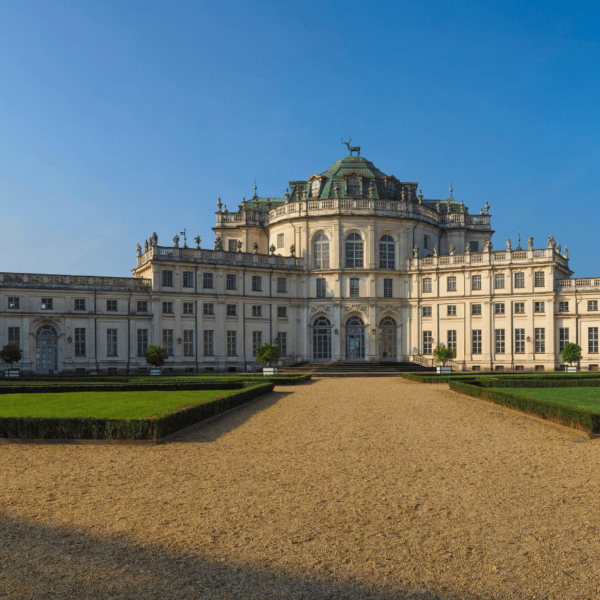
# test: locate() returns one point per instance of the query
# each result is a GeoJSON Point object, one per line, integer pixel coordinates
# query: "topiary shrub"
{"type": "Point", "coordinates": [11, 353]}
{"type": "Point", "coordinates": [155, 356]}
{"type": "Point", "coordinates": [571, 353]}
{"type": "Point", "coordinates": [267, 354]}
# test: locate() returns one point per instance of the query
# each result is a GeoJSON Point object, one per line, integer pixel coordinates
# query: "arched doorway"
{"type": "Point", "coordinates": [355, 339]}
{"type": "Point", "coordinates": [322, 339]}
{"type": "Point", "coordinates": [388, 339]}
{"type": "Point", "coordinates": [46, 346]}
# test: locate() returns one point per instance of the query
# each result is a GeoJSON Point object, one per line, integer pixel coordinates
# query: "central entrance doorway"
{"type": "Point", "coordinates": [387, 339]}
{"type": "Point", "coordinates": [322, 339]}
{"type": "Point", "coordinates": [355, 339]}
{"type": "Point", "coordinates": [46, 345]}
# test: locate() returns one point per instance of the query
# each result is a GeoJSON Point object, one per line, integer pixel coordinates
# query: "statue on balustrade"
{"type": "Point", "coordinates": [566, 253]}
{"type": "Point", "coordinates": [255, 247]}
{"type": "Point", "coordinates": [530, 244]}
{"type": "Point", "coordinates": [154, 239]}
{"type": "Point", "coordinates": [508, 245]}
{"type": "Point", "coordinates": [558, 248]}
{"type": "Point", "coordinates": [197, 240]}
{"type": "Point", "coordinates": [239, 246]}
{"type": "Point", "coordinates": [138, 249]}
{"type": "Point", "coordinates": [219, 243]}
{"type": "Point", "coordinates": [468, 248]}
{"type": "Point", "coordinates": [146, 246]}
{"type": "Point", "coordinates": [551, 242]}
{"type": "Point", "coordinates": [293, 250]}
{"type": "Point", "coordinates": [416, 251]}
{"type": "Point", "coordinates": [435, 250]}
{"type": "Point", "coordinates": [175, 241]}
{"type": "Point", "coordinates": [452, 248]}
{"type": "Point", "coordinates": [272, 249]}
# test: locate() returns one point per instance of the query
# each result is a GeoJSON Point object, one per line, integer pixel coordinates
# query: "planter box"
{"type": "Point", "coordinates": [155, 371]}
{"type": "Point", "coordinates": [11, 373]}
{"type": "Point", "coordinates": [268, 371]}
{"type": "Point", "coordinates": [569, 369]}
{"type": "Point", "coordinates": [443, 370]}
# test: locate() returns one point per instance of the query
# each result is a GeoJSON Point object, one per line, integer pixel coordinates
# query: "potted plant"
{"type": "Point", "coordinates": [442, 355]}
{"type": "Point", "coordinates": [11, 353]}
{"type": "Point", "coordinates": [155, 357]}
{"type": "Point", "coordinates": [268, 355]}
{"type": "Point", "coordinates": [571, 353]}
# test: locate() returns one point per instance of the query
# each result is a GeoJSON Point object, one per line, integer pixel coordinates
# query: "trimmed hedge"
{"type": "Point", "coordinates": [587, 379]}
{"type": "Point", "coordinates": [152, 428]}
{"type": "Point", "coordinates": [576, 418]}
{"type": "Point", "coordinates": [551, 382]}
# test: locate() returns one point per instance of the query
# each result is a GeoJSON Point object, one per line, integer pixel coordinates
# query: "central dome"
{"type": "Point", "coordinates": [354, 164]}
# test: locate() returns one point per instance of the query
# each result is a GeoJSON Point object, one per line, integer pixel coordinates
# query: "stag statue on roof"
{"type": "Point", "coordinates": [352, 148]}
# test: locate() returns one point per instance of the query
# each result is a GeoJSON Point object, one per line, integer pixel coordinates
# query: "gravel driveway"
{"type": "Point", "coordinates": [338, 488]}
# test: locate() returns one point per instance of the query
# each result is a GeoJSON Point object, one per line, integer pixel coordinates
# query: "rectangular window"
{"type": "Point", "coordinates": [500, 341]}
{"type": "Point", "coordinates": [188, 279]}
{"type": "Point", "coordinates": [539, 280]}
{"type": "Point", "coordinates": [281, 285]}
{"type": "Point", "coordinates": [232, 343]}
{"type": "Point", "coordinates": [282, 343]}
{"type": "Point", "coordinates": [563, 337]}
{"type": "Point", "coordinates": [499, 281]}
{"type": "Point", "coordinates": [209, 342]}
{"type": "Point", "coordinates": [256, 310]}
{"type": "Point", "coordinates": [232, 310]}
{"type": "Point", "coordinates": [321, 287]}
{"type": "Point", "coordinates": [142, 306]}
{"type": "Point", "coordinates": [427, 311]}
{"type": "Point", "coordinates": [476, 337]}
{"type": "Point", "coordinates": [388, 288]}
{"type": "Point", "coordinates": [80, 341]}
{"type": "Point", "coordinates": [519, 341]}
{"type": "Point", "coordinates": [593, 340]}
{"type": "Point", "coordinates": [111, 342]}
{"type": "Point", "coordinates": [519, 280]}
{"type": "Point", "coordinates": [425, 241]}
{"type": "Point", "coordinates": [208, 308]}
{"type": "Point", "coordinates": [168, 307]}
{"type": "Point", "coordinates": [539, 307]}
{"type": "Point", "coordinates": [540, 340]}
{"type": "Point", "coordinates": [280, 240]}
{"type": "Point", "coordinates": [188, 342]}
{"type": "Point", "coordinates": [475, 309]}
{"type": "Point", "coordinates": [232, 245]}
{"type": "Point", "coordinates": [592, 304]}
{"type": "Point", "coordinates": [168, 341]}
{"type": "Point", "coordinates": [451, 339]}
{"type": "Point", "coordinates": [427, 342]}
{"type": "Point", "coordinates": [451, 284]}
{"type": "Point", "coordinates": [142, 341]}
{"type": "Point", "coordinates": [188, 308]}
{"type": "Point", "coordinates": [499, 308]}
{"type": "Point", "coordinates": [14, 336]}
{"type": "Point", "coordinates": [207, 281]}
{"type": "Point", "coordinates": [354, 287]}
{"type": "Point", "coordinates": [79, 304]}
{"type": "Point", "coordinates": [474, 246]}
{"type": "Point", "coordinates": [47, 303]}
{"type": "Point", "coordinates": [427, 284]}
{"type": "Point", "coordinates": [451, 310]}
{"type": "Point", "coordinates": [167, 278]}
{"type": "Point", "coordinates": [111, 305]}
{"type": "Point", "coordinates": [231, 281]}
{"type": "Point", "coordinates": [14, 302]}
{"type": "Point", "coordinates": [519, 308]}
{"type": "Point", "coordinates": [563, 307]}
{"type": "Point", "coordinates": [282, 312]}
{"type": "Point", "coordinates": [476, 282]}
{"type": "Point", "coordinates": [256, 283]}
{"type": "Point", "coordinates": [256, 341]}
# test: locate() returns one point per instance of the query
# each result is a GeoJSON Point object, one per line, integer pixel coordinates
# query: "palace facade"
{"type": "Point", "coordinates": [350, 265]}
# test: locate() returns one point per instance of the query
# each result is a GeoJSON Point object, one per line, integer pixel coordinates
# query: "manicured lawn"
{"type": "Point", "coordinates": [581, 397]}
{"type": "Point", "coordinates": [108, 405]}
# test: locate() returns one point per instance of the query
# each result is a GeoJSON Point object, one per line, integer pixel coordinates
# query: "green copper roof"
{"type": "Point", "coordinates": [356, 164]}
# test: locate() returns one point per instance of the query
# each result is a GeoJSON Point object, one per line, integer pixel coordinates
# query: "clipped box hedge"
{"type": "Point", "coordinates": [576, 418]}
{"type": "Point", "coordinates": [152, 428]}
{"type": "Point", "coordinates": [540, 382]}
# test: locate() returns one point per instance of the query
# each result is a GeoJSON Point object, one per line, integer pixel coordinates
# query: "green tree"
{"type": "Point", "coordinates": [267, 354]}
{"type": "Point", "coordinates": [571, 353]}
{"type": "Point", "coordinates": [443, 354]}
{"type": "Point", "coordinates": [11, 353]}
{"type": "Point", "coordinates": [155, 355]}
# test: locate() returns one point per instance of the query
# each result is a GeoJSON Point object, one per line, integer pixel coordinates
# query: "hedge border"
{"type": "Point", "coordinates": [586, 378]}
{"type": "Point", "coordinates": [581, 419]}
{"type": "Point", "coordinates": [152, 428]}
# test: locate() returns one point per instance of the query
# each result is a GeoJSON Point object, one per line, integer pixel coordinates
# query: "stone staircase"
{"type": "Point", "coordinates": [355, 369]}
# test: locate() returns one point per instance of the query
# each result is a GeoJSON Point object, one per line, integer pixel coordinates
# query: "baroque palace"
{"type": "Point", "coordinates": [350, 265]}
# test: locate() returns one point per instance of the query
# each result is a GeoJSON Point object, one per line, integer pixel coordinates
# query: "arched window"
{"type": "Point", "coordinates": [322, 339]}
{"type": "Point", "coordinates": [387, 252]}
{"type": "Point", "coordinates": [321, 252]}
{"type": "Point", "coordinates": [354, 250]}
{"type": "Point", "coordinates": [315, 187]}
{"type": "Point", "coordinates": [353, 186]}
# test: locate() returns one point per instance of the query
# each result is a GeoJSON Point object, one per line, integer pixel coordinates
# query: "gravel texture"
{"type": "Point", "coordinates": [338, 488]}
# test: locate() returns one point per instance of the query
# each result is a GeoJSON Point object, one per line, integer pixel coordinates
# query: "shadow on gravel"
{"type": "Point", "coordinates": [39, 561]}
{"type": "Point", "coordinates": [229, 421]}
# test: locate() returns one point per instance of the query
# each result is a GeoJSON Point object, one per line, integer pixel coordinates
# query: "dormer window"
{"type": "Point", "coordinates": [315, 187]}
{"type": "Point", "coordinates": [353, 186]}
{"type": "Point", "coordinates": [391, 185]}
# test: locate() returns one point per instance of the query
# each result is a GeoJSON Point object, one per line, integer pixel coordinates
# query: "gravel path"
{"type": "Point", "coordinates": [339, 488]}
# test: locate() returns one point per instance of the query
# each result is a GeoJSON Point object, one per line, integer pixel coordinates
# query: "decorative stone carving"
{"type": "Point", "coordinates": [420, 197]}
{"type": "Point", "coordinates": [239, 246]}
{"type": "Point", "coordinates": [197, 240]}
{"type": "Point", "coordinates": [268, 205]}
{"type": "Point", "coordinates": [146, 246]}
{"type": "Point", "coordinates": [452, 249]}
{"type": "Point", "coordinates": [530, 244]}
{"type": "Point", "coordinates": [138, 250]}
{"type": "Point", "coordinates": [487, 246]}
{"type": "Point", "coordinates": [336, 190]}
{"type": "Point", "coordinates": [438, 207]}
{"type": "Point", "coordinates": [462, 206]}
{"type": "Point", "coordinates": [551, 242]}
{"type": "Point", "coordinates": [508, 245]}
{"type": "Point", "coordinates": [219, 243]}
{"type": "Point", "coordinates": [435, 250]}
{"type": "Point", "coordinates": [287, 194]}
{"type": "Point", "coordinates": [566, 253]}
{"type": "Point", "coordinates": [416, 251]}
{"type": "Point", "coordinates": [219, 205]}
{"type": "Point", "coordinates": [371, 190]}
{"type": "Point", "coordinates": [255, 247]}
{"type": "Point", "coordinates": [468, 248]}
{"type": "Point", "coordinates": [154, 239]}
{"type": "Point", "coordinates": [272, 249]}
{"type": "Point", "coordinates": [293, 250]}
{"type": "Point", "coordinates": [403, 195]}
{"type": "Point", "coordinates": [558, 248]}
{"type": "Point", "coordinates": [487, 208]}
{"type": "Point", "coordinates": [175, 241]}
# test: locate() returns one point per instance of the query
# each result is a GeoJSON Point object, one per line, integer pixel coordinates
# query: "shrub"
{"type": "Point", "coordinates": [267, 354]}
{"type": "Point", "coordinates": [571, 353]}
{"type": "Point", "coordinates": [155, 355]}
{"type": "Point", "coordinates": [11, 353]}
{"type": "Point", "coordinates": [443, 354]}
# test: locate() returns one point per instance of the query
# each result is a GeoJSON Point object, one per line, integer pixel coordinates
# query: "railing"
{"type": "Point", "coordinates": [37, 279]}
{"type": "Point", "coordinates": [577, 283]}
{"type": "Point", "coordinates": [288, 361]}
{"type": "Point", "coordinates": [419, 359]}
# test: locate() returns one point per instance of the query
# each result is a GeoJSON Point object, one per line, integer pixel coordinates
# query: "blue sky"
{"type": "Point", "coordinates": [121, 118]}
